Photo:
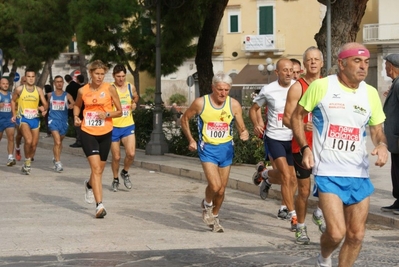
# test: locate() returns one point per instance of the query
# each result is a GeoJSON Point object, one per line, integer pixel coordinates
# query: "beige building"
{"type": "Point", "coordinates": [253, 30]}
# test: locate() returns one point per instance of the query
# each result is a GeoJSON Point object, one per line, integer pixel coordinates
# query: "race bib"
{"type": "Point", "coordinates": [217, 129]}
{"type": "Point", "coordinates": [58, 104]}
{"type": "Point", "coordinates": [280, 123]}
{"type": "Point", "coordinates": [30, 113]}
{"type": "Point", "coordinates": [93, 120]}
{"type": "Point", "coordinates": [125, 110]}
{"type": "Point", "coordinates": [343, 138]}
{"type": "Point", "coordinates": [6, 107]}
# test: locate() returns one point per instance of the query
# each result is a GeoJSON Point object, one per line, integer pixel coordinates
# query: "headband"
{"type": "Point", "coordinates": [354, 52]}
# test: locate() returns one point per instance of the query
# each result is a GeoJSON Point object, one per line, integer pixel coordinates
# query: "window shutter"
{"type": "Point", "coordinates": [266, 20]}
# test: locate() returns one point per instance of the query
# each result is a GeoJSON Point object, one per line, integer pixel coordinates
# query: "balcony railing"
{"type": "Point", "coordinates": [263, 43]}
{"type": "Point", "coordinates": [381, 33]}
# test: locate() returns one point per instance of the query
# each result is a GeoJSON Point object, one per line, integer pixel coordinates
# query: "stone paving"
{"type": "Point", "coordinates": [46, 222]}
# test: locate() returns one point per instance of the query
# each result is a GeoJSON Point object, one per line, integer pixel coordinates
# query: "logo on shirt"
{"type": "Point", "coordinates": [336, 96]}
{"type": "Point", "coordinates": [360, 110]}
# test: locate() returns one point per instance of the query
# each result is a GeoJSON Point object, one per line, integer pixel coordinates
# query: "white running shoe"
{"type": "Point", "coordinates": [89, 196]}
{"type": "Point", "coordinates": [100, 211]}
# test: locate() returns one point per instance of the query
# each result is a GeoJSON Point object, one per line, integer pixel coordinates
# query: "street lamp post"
{"type": "Point", "coordinates": [157, 144]}
{"type": "Point", "coordinates": [269, 68]}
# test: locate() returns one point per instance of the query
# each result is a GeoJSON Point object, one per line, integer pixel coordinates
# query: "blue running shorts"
{"type": "Point", "coordinates": [221, 155]}
{"type": "Point", "coordinates": [350, 190]}
{"type": "Point", "coordinates": [119, 132]}
{"type": "Point", "coordinates": [33, 123]}
{"type": "Point", "coordinates": [6, 123]}
{"type": "Point", "coordinates": [60, 126]}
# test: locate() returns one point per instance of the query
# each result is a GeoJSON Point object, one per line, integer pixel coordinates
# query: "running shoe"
{"type": "Point", "coordinates": [282, 214]}
{"type": "Point", "coordinates": [257, 176]}
{"type": "Point", "coordinates": [264, 189]}
{"type": "Point", "coordinates": [319, 221]}
{"type": "Point", "coordinates": [301, 236]}
{"type": "Point", "coordinates": [100, 211]}
{"type": "Point", "coordinates": [115, 185]}
{"type": "Point", "coordinates": [11, 162]}
{"type": "Point", "coordinates": [207, 214]}
{"type": "Point", "coordinates": [58, 167]}
{"type": "Point", "coordinates": [217, 228]}
{"type": "Point", "coordinates": [89, 196]}
{"type": "Point", "coordinates": [126, 180]}
{"type": "Point", "coordinates": [25, 169]}
{"type": "Point", "coordinates": [18, 154]}
{"type": "Point", "coordinates": [294, 223]}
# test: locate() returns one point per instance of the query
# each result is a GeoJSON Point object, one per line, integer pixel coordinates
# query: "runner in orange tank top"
{"type": "Point", "coordinates": [97, 97]}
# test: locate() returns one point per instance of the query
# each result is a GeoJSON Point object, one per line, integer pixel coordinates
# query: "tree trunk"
{"type": "Point", "coordinates": [345, 24]}
{"type": "Point", "coordinates": [82, 64]}
{"type": "Point", "coordinates": [45, 73]}
{"type": "Point", "coordinates": [203, 60]}
{"type": "Point", "coordinates": [136, 77]}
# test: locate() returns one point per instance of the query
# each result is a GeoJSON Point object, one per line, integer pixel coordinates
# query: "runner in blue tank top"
{"type": "Point", "coordinates": [5, 120]}
{"type": "Point", "coordinates": [59, 103]}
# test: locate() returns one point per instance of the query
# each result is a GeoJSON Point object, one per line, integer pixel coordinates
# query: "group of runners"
{"type": "Point", "coordinates": [107, 123]}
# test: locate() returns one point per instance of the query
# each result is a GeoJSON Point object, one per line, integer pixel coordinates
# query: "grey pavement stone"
{"type": "Point", "coordinates": [45, 221]}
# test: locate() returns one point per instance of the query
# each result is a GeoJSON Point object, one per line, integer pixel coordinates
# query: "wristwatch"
{"type": "Point", "coordinates": [107, 114]}
{"type": "Point", "coordinates": [303, 148]}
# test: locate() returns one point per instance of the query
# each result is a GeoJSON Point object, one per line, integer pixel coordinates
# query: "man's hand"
{"type": "Point", "coordinates": [307, 159]}
{"type": "Point", "coordinates": [382, 154]}
{"type": "Point", "coordinates": [192, 146]}
{"type": "Point", "coordinates": [244, 135]}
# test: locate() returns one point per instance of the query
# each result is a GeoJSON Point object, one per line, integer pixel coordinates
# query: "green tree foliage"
{"type": "Point", "coordinates": [33, 31]}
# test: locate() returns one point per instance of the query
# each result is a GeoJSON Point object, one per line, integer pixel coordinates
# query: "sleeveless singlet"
{"type": "Point", "coordinates": [5, 111]}
{"type": "Point", "coordinates": [58, 107]}
{"type": "Point", "coordinates": [308, 135]}
{"type": "Point", "coordinates": [28, 102]}
{"type": "Point", "coordinates": [215, 124]}
{"type": "Point", "coordinates": [96, 101]}
{"type": "Point", "coordinates": [126, 100]}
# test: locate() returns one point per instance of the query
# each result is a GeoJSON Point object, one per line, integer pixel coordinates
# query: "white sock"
{"type": "Point", "coordinates": [264, 174]}
{"type": "Point", "coordinates": [10, 156]}
{"type": "Point", "coordinates": [17, 149]}
{"type": "Point", "coordinates": [325, 261]}
{"type": "Point", "coordinates": [300, 225]}
{"type": "Point", "coordinates": [208, 204]}
{"type": "Point", "coordinates": [292, 213]}
{"type": "Point", "coordinates": [283, 207]}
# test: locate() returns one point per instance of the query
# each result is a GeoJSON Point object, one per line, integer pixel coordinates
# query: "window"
{"type": "Point", "coordinates": [234, 20]}
{"type": "Point", "coordinates": [266, 20]}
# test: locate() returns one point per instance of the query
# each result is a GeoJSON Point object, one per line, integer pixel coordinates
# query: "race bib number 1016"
{"type": "Point", "coordinates": [343, 138]}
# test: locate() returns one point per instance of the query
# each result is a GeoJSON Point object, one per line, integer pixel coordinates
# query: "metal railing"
{"type": "Point", "coordinates": [381, 33]}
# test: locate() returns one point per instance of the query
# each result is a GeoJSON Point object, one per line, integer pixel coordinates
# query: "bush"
{"type": "Point", "coordinates": [177, 98]}
{"type": "Point", "coordinates": [248, 152]}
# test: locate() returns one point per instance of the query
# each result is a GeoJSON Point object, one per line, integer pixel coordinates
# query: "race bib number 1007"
{"type": "Point", "coordinates": [217, 129]}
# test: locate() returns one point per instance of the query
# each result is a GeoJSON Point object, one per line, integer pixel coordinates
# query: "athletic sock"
{"type": "Point", "coordinates": [208, 204]}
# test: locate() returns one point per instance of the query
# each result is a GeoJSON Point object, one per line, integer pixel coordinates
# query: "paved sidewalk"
{"type": "Point", "coordinates": [241, 178]}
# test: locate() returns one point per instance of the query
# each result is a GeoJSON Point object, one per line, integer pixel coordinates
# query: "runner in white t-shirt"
{"type": "Point", "coordinates": [277, 137]}
{"type": "Point", "coordinates": [342, 106]}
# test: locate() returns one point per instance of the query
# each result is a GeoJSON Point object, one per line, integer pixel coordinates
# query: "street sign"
{"type": "Point", "coordinates": [190, 81]}
{"type": "Point", "coordinates": [17, 77]}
